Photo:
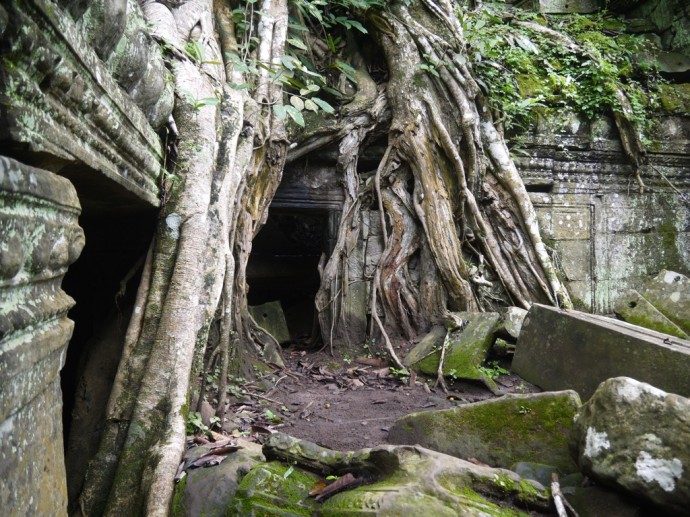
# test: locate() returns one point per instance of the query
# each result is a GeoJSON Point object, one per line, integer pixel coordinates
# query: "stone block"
{"type": "Point", "coordinates": [634, 437]}
{"type": "Point", "coordinates": [271, 318]}
{"type": "Point", "coordinates": [561, 349]}
{"type": "Point", "coordinates": [500, 432]}
{"type": "Point", "coordinates": [568, 6]}
{"type": "Point", "coordinates": [466, 349]}
{"type": "Point", "coordinates": [39, 239]}
{"type": "Point", "coordinates": [511, 322]}
{"type": "Point", "coordinates": [59, 99]}
{"type": "Point", "coordinates": [669, 292]}
{"type": "Point", "coordinates": [634, 308]}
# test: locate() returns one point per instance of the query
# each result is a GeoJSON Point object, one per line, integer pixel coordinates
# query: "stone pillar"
{"type": "Point", "coordinates": [39, 238]}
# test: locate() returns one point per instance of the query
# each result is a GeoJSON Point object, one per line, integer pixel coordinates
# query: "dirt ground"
{"type": "Point", "coordinates": [344, 404]}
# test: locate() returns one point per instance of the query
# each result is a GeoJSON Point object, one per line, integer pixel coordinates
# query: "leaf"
{"type": "Point", "coordinates": [323, 105]}
{"type": "Point", "coordinates": [295, 115]}
{"type": "Point", "coordinates": [289, 471]}
{"type": "Point", "coordinates": [358, 26]}
{"type": "Point", "coordinates": [526, 44]}
{"type": "Point", "coordinates": [297, 102]}
{"type": "Point", "coordinates": [311, 105]}
{"type": "Point", "coordinates": [298, 43]}
{"type": "Point", "coordinates": [280, 111]}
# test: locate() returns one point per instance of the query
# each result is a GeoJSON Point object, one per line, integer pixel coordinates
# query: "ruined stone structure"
{"type": "Point", "coordinates": [84, 100]}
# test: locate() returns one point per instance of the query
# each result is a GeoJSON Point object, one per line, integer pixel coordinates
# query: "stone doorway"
{"type": "Point", "coordinates": [283, 266]}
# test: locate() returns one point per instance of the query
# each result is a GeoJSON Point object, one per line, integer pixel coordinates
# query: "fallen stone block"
{"type": "Point", "coordinates": [466, 350]}
{"type": "Point", "coordinates": [634, 437]}
{"type": "Point", "coordinates": [271, 318]}
{"type": "Point", "coordinates": [670, 293]}
{"type": "Point", "coordinates": [560, 349]}
{"type": "Point", "coordinates": [567, 6]}
{"type": "Point", "coordinates": [511, 322]}
{"type": "Point", "coordinates": [635, 309]}
{"type": "Point", "coordinates": [531, 428]}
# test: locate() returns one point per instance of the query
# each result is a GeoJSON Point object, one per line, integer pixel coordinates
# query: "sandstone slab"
{"type": "Point", "coordinates": [560, 349]}
{"type": "Point", "coordinates": [501, 432]}
{"type": "Point", "coordinates": [634, 308]}
{"type": "Point", "coordinates": [669, 292]}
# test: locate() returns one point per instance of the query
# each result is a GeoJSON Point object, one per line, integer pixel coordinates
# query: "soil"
{"type": "Point", "coordinates": [344, 404]}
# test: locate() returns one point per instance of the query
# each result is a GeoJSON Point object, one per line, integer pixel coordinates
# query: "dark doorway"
{"type": "Point", "coordinates": [284, 262]}
{"type": "Point", "coordinates": [103, 282]}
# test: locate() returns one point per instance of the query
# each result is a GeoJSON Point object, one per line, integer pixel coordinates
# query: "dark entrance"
{"type": "Point", "coordinates": [284, 263]}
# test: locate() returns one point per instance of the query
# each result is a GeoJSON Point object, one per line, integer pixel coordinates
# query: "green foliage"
{"type": "Point", "coordinates": [196, 103]}
{"type": "Point", "coordinates": [522, 68]}
{"type": "Point", "coordinates": [195, 424]}
{"type": "Point", "coordinates": [492, 370]}
{"type": "Point", "coordinates": [309, 82]}
{"type": "Point", "coordinates": [402, 374]}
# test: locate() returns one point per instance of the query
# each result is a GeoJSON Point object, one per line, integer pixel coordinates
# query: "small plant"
{"type": "Point", "coordinates": [195, 424]}
{"type": "Point", "coordinates": [271, 417]}
{"type": "Point", "coordinates": [492, 370]}
{"type": "Point", "coordinates": [196, 103]}
{"type": "Point", "coordinates": [402, 374]}
{"type": "Point", "coordinates": [524, 410]}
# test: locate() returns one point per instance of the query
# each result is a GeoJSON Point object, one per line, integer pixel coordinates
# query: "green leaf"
{"type": "Point", "coordinates": [295, 115]}
{"type": "Point", "coordinates": [280, 111]}
{"type": "Point", "coordinates": [323, 105]}
{"type": "Point", "coordinates": [298, 43]}
{"type": "Point", "coordinates": [297, 102]}
{"type": "Point", "coordinates": [311, 105]}
{"type": "Point", "coordinates": [289, 472]}
{"type": "Point", "coordinates": [358, 26]}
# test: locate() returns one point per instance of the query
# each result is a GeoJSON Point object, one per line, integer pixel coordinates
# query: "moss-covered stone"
{"type": "Point", "coordinates": [466, 349]}
{"type": "Point", "coordinates": [274, 489]}
{"type": "Point", "coordinates": [501, 432]}
{"type": "Point", "coordinates": [634, 308]}
{"type": "Point", "coordinates": [675, 98]}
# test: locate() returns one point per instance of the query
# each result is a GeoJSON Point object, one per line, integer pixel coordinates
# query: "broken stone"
{"type": "Point", "coordinates": [209, 491]}
{"type": "Point", "coordinates": [560, 349]}
{"type": "Point", "coordinates": [271, 318]}
{"type": "Point", "coordinates": [511, 322]}
{"type": "Point", "coordinates": [672, 62]}
{"type": "Point", "coordinates": [500, 432]}
{"type": "Point", "coordinates": [634, 308]}
{"type": "Point", "coordinates": [567, 6]}
{"type": "Point", "coordinates": [670, 293]}
{"type": "Point", "coordinates": [466, 352]}
{"type": "Point", "coordinates": [633, 436]}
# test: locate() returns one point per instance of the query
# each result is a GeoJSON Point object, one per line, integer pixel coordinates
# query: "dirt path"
{"type": "Point", "coordinates": [343, 405]}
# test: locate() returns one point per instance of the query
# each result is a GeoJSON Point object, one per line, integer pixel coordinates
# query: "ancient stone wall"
{"type": "Point", "coordinates": [40, 239]}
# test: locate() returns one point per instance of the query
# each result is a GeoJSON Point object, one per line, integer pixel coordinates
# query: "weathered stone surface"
{"type": "Point", "coordinates": [39, 238]}
{"type": "Point", "coordinates": [634, 308]}
{"type": "Point", "coordinates": [466, 349]}
{"type": "Point", "coordinates": [675, 98]}
{"type": "Point", "coordinates": [515, 428]}
{"type": "Point", "coordinates": [209, 491]}
{"type": "Point", "coordinates": [597, 501]}
{"type": "Point", "coordinates": [402, 480]}
{"type": "Point", "coordinates": [633, 436]}
{"type": "Point", "coordinates": [669, 292]}
{"type": "Point", "coordinates": [59, 99]}
{"type": "Point", "coordinates": [511, 322]}
{"type": "Point", "coordinates": [271, 318]}
{"type": "Point", "coordinates": [568, 6]}
{"type": "Point", "coordinates": [560, 349]}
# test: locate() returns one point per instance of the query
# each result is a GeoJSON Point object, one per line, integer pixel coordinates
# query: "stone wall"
{"type": "Point", "coordinates": [607, 234]}
{"type": "Point", "coordinates": [40, 239]}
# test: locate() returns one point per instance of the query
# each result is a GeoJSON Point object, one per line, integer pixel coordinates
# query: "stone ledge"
{"type": "Point", "coordinates": [58, 98]}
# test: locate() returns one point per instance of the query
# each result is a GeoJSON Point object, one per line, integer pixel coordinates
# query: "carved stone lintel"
{"type": "Point", "coordinates": [39, 239]}
{"type": "Point", "coordinates": [57, 98]}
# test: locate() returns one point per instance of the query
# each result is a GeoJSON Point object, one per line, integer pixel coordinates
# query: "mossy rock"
{"type": "Point", "coordinates": [675, 98]}
{"type": "Point", "coordinates": [274, 489]}
{"type": "Point", "coordinates": [466, 350]}
{"type": "Point", "coordinates": [501, 432]}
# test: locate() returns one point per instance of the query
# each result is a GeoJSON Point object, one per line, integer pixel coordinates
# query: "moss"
{"type": "Point", "coordinates": [178, 509]}
{"type": "Point", "coordinates": [270, 489]}
{"type": "Point", "coordinates": [675, 98]}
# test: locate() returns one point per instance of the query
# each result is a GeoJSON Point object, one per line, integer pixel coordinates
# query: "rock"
{"type": "Point", "coordinates": [511, 322]}
{"type": "Point", "coordinates": [499, 432]}
{"type": "Point", "coordinates": [560, 349]}
{"type": "Point", "coordinates": [536, 471]}
{"type": "Point", "coordinates": [270, 317]}
{"type": "Point", "coordinates": [467, 349]}
{"type": "Point", "coordinates": [670, 293]}
{"type": "Point", "coordinates": [672, 62]}
{"type": "Point", "coordinates": [634, 308]}
{"type": "Point", "coordinates": [634, 437]}
{"type": "Point", "coordinates": [567, 6]}
{"type": "Point", "coordinates": [398, 480]}
{"type": "Point", "coordinates": [209, 491]}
